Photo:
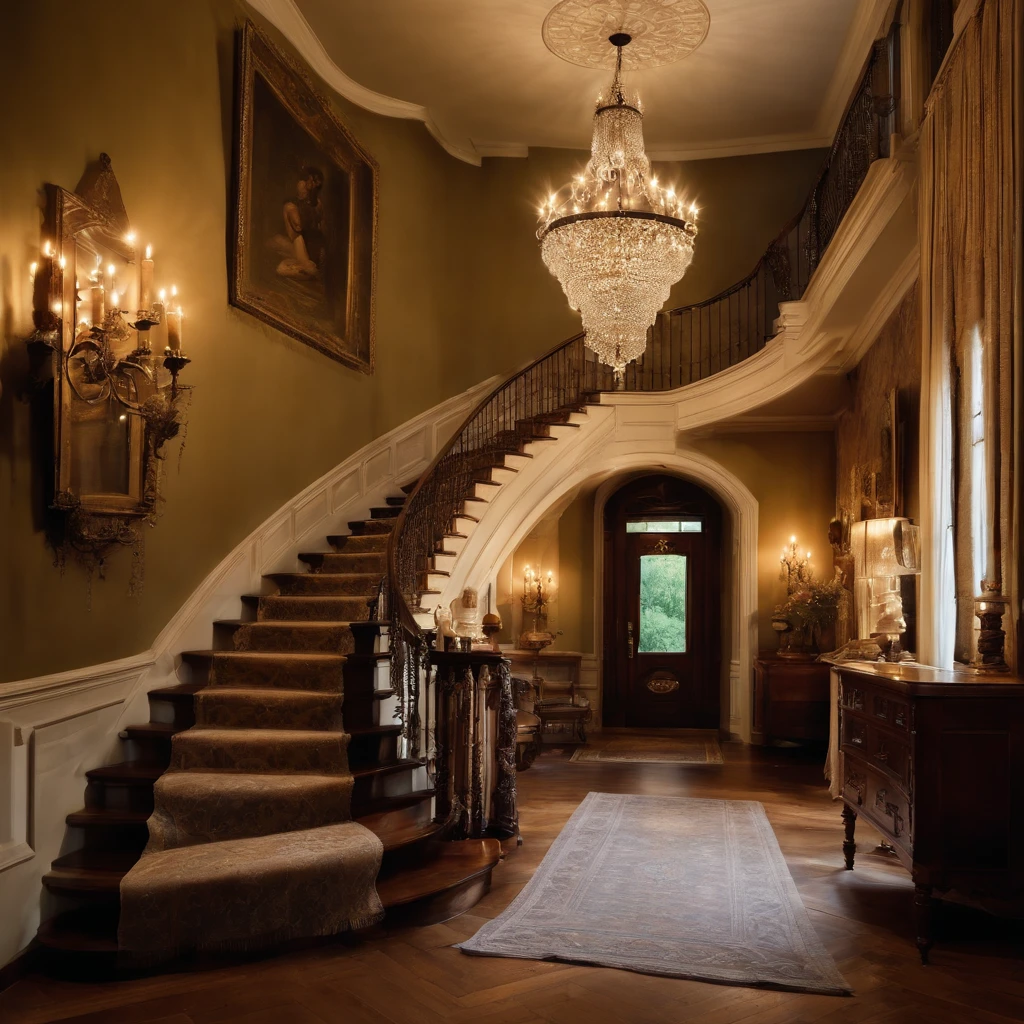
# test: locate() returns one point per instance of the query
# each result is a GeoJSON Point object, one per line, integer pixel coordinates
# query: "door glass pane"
{"type": "Point", "coordinates": [662, 604]}
{"type": "Point", "coordinates": [665, 526]}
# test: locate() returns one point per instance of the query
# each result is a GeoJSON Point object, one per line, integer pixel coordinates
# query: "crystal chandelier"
{"type": "Point", "coordinates": [617, 240]}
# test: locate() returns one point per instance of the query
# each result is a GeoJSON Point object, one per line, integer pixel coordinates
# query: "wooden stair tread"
{"type": "Point", "coordinates": [253, 601]}
{"type": "Point", "coordinates": [277, 624]}
{"type": "Point", "coordinates": [318, 576]}
{"type": "Point", "coordinates": [136, 772]}
{"type": "Point", "coordinates": [386, 804]}
{"type": "Point", "coordinates": [85, 881]}
{"type": "Point", "coordinates": [285, 656]}
{"type": "Point", "coordinates": [179, 692]}
{"type": "Point", "coordinates": [150, 729]}
{"type": "Point", "coordinates": [386, 767]}
{"type": "Point", "coordinates": [398, 838]}
{"type": "Point", "coordinates": [376, 730]}
{"type": "Point", "coordinates": [454, 864]}
{"type": "Point", "coordinates": [109, 861]}
{"type": "Point", "coordinates": [372, 656]}
{"type": "Point", "coordinates": [90, 816]}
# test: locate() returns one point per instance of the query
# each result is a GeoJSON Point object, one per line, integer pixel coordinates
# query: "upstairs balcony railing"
{"type": "Point", "coordinates": [685, 345]}
{"type": "Point", "coordinates": [694, 342]}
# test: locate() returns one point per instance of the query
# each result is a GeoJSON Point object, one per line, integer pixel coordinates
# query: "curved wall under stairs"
{"type": "Point", "coordinates": [55, 729]}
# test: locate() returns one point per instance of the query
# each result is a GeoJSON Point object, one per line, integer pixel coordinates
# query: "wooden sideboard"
{"type": "Point", "coordinates": [935, 761]}
{"type": "Point", "coordinates": [791, 699]}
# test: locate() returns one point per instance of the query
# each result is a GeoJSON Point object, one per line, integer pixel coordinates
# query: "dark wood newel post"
{"type": "Point", "coordinates": [471, 757]}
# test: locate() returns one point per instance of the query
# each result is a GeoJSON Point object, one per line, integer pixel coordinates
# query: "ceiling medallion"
{"type": "Point", "coordinates": [662, 31]}
{"type": "Point", "coordinates": [617, 240]}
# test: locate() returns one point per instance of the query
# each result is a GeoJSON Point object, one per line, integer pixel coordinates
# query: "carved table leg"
{"type": "Point", "coordinates": [849, 846]}
{"type": "Point", "coordinates": [923, 919]}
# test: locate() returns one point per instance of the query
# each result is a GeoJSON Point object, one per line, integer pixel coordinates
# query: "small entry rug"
{"type": "Point", "coordinates": [697, 747]}
{"type": "Point", "coordinates": [676, 886]}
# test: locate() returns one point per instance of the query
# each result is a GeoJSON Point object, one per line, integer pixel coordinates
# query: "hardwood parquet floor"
{"type": "Point", "coordinates": [413, 976]}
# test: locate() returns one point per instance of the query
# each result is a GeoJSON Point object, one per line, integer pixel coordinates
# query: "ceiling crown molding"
{"type": "Point", "coordinates": [869, 20]}
{"type": "Point", "coordinates": [288, 20]}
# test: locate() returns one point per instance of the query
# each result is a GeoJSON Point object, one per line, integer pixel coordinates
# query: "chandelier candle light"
{"type": "Point", "coordinates": [615, 238]}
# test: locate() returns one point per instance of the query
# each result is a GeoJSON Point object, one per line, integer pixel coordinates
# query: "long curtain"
{"type": "Point", "coordinates": [970, 225]}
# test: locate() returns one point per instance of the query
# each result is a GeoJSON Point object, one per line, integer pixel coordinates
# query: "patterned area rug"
{"type": "Point", "coordinates": [698, 748]}
{"type": "Point", "coordinates": [676, 886]}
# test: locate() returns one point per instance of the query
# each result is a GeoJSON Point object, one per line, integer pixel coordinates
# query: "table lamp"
{"type": "Point", "coordinates": [883, 550]}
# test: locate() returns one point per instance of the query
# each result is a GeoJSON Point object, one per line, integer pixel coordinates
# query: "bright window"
{"type": "Point", "coordinates": [665, 526]}
{"type": "Point", "coordinates": [662, 604]}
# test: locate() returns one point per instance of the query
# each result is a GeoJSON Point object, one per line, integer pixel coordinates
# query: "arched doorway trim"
{"type": "Point", "coordinates": [520, 509]}
{"type": "Point", "coordinates": [741, 507]}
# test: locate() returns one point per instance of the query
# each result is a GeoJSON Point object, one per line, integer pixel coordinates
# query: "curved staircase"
{"type": "Point", "coordinates": [272, 685]}
{"type": "Point", "coordinates": [309, 639]}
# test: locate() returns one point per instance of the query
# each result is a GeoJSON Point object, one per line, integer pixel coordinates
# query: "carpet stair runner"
{"type": "Point", "coordinates": [275, 753]}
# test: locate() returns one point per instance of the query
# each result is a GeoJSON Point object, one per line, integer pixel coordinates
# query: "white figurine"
{"type": "Point", "coordinates": [443, 624]}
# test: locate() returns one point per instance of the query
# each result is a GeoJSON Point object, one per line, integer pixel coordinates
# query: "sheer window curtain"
{"type": "Point", "coordinates": [970, 226]}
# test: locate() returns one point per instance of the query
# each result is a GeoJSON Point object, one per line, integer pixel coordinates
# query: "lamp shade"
{"type": "Point", "coordinates": [884, 547]}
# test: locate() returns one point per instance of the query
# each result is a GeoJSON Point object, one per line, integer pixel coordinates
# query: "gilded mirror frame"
{"type": "Point", "coordinates": [89, 224]}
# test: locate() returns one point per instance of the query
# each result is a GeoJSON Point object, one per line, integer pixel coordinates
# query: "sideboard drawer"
{"type": "Point", "coordinates": [855, 733]}
{"type": "Point", "coordinates": [893, 712]}
{"type": "Point", "coordinates": [889, 808]}
{"type": "Point", "coordinates": [890, 753]}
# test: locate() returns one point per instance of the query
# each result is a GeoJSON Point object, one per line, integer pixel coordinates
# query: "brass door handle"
{"type": "Point", "coordinates": [629, 637]}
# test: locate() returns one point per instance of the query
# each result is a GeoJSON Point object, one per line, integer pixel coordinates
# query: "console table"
{"type": "Point", "coordinates": [557, 705]}
{"type": "Point", "coordinates": [567, 664]}
{"type": "Point", "coordinates": [791, 699]}
{"type": "Point", "coordinates": [935, 761]}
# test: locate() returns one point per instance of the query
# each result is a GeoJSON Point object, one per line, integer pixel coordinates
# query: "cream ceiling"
{"type": "Point", "coordinates": [771, 74]}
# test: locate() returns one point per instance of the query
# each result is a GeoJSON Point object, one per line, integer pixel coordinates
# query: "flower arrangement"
{"type": "Point", "coordinates": [811, 603]}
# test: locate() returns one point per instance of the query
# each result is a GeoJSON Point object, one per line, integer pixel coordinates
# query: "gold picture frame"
{"type": "Point", "coordinates": [303, 246]}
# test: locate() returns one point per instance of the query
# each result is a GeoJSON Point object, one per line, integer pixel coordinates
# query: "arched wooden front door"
{"type": "Point", "coordinates": [662, 605]}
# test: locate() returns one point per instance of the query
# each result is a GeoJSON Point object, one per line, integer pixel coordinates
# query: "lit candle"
{"type": "Point", "coordinates": [96, 292]}
{"type": "Point", "coordinates": [174, 330]}
{"type": "Point", "coordinates": [146, 278]}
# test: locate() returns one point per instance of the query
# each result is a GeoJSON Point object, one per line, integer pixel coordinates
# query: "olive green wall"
{"type": "Point", "coordinates": [151, 84]}
{"type": "Point", "coordinates": [521, 309]}
{"type": "Point", "coordinates": [563, 543]}
{"type": "Point", "coordinates": [461, 294]}
{"type": "Point", "coordinates": [792, 476]}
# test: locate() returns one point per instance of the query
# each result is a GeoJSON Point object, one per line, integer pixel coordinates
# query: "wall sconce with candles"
{"type": "Point", "coordinates": [110, 347]}
{"type": "Point", "coordinates": [811, 604]}
{"type": "Point", "coordinates": [538, 589]}
{"type": "Point", "coordinates": [883, 551]}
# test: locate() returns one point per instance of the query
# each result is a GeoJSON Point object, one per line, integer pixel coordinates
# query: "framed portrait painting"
{"type": "Point", "coordinates": [305, 224]}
